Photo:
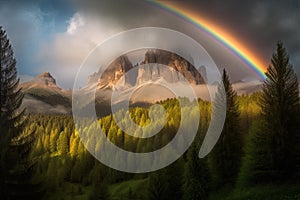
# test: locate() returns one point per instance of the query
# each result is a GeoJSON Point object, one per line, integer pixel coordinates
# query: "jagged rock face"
{"type": "Point", "coordinates": [146, 73]}
{"type": "Point", "coordinates": [158, 56]}
{"type": "Point", "coordinates": [113, 73]}
{"type": "Point", "coordinates": [174, 61]}
{"type": "Point", "coordinates": [46, 79]}
{"type": "Point", "coordinates": [155, 72]}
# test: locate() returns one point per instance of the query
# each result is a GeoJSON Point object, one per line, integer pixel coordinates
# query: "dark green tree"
{"type": "Point", "coordinates": [131, 195]}
{"type": "Point", "coordinates": [272, 146]}
{"type": "Point", "coordinates": [225, 158]}
{"type": "Point", "coordinates": [157, 186]}
{"type": "Point", "coordinates": [196, 177]}
{"type": "Point", "coordinates": [279, 102]}
{"type": "Point", "coordinates": [297, 149]}
{"type": "Point", "coordinates": [10, 95]}
{"type": "Point", "coordinates": [100, 192]}
{"type": "Point", "coordinates": [15, 145]}
{"type": "Point", "coordinates": [174, 180]}
{"type": "Point", "coordinates": [166, 184]}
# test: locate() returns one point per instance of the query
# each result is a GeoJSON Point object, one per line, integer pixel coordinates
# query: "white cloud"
{"type": "Point", "coordinates": [75, 22]}
{"type": "Point", "coordinates": [64, 54]}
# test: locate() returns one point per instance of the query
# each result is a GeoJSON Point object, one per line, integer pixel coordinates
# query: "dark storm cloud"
{"type": "Point", "coordinates": [259, 24]}
{"type": "Point", "coordinates": [126, 13]}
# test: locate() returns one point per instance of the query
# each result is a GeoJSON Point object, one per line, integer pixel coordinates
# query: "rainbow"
{"type": "Point", "coordinates": [218, 34]}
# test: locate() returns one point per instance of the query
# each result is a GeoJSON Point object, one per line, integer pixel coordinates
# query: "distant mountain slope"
{"type": "Point", "coordinates": [42, 95]}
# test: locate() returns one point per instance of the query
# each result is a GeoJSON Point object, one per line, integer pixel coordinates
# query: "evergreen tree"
{"type": "Point", "coordinates": [15, 168]}
{"type": "Point", "coordinates": [63, 143]}
{"type": "Point", "coordinates": [157, 186]}
{"type": "Point", "coordinates": [197, 177]}
{"type": "Point", "coordinates": [271, 149]}
{"type": "Point", "coordinates": [131, 195]}
{"type": "Point", "coordinates": [226, 156]}
{"type": "Point", "coordinates": [297, 142]}
{"type": "Point", "coordinates": [166, 184]}
{"type": "Point", "coordinates": [10, 96]}
{"type": "Point", "coordinates": [100, 192]}
{"type": "Point", "coordinates": [279, 102]}
{"type": "Point", "coordinates": [173, 180]}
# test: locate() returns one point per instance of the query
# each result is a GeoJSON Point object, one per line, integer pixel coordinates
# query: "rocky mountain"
{"type": "Point", "coordinates": [42, 95]}
{"type": "Point", "coordinates": [126, 78]}
{"type": "Point", "coordinates": [142, 84]}
{"type": "Point", "coordinates": [145, 72]}
{"type": "Point", "coordinates": [179, 64]}
{"type": "Point", "coordinates": [112, 74]}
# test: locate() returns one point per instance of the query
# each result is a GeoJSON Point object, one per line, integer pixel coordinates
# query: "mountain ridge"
{"type": "Point", "coordinates": [42, 94]}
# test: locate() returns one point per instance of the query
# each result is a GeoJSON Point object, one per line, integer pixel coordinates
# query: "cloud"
{"type": "Point", "coordinates": [22, 24]}
{"type": "Point", "coordinates": [75, 22]}
{"type": "Point", "coordinates": [64, 54]}
{"type": "Point", "coordinates": [28, 23]}
{"type": "Point", "coordinates": [88, 27]}
{"type": "Point", "coordinates": [258, 24]}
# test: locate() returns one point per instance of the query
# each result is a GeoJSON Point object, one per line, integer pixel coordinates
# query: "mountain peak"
{"type": "Point", "coordinates": [45, 78]}
{"type": "Point", "coordinates": [45, 74]}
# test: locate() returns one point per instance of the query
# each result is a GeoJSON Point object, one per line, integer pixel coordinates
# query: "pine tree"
{"type": "Point", "coordinates": [10, 96]}
{"type": "Point", "coordinates": [166, 184]}
{"type": "Point", "coordinates": [271, 149]}
{"type": "Point", "coordinates": [157, 186]}
{"type": "Point", "coordinates": [297, 142]}
{"type": "Point", "coordinates": [197, 177]}
{"type": "Point", "coordinates": [173, 179]}
{"type": "Point", "coordinates": [63, 143]}
{"type": "Point", "coordinates": [226, 155]}
{"type": "Point", "coordinates": [15, 168]}
{"type": "Point", "coordinates": [100, 192]}
{"type": "Point", "coordinates": [279, 102]}
{"type": "Point", "coordinates": [131, 195]}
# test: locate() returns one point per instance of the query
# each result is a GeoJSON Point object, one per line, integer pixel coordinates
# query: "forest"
{"type": "Point", "coordinates": [62, 163]}
{"type": "Point", "coordinates": [256, 157]}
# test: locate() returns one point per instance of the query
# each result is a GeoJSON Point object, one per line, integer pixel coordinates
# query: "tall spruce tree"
{"type": "Point", "coordinates": [10, 96]}
{"type": "Point", "coordinates": [196, 177]}
{"type": "Point", "coordinates": [157, 186]}
{"type": "Point", "coordinates": [15, 169]}
{"type": "Point", "coordinates": [279, 102]}
{"type": "Point", "coordinates": [166, 184]}
{"type": "Point", "coordinates": [226, 156]}
{"type": "Point", "coordinates": [271, 147]}
{"type": "Point", "coordinates": [297, 145]}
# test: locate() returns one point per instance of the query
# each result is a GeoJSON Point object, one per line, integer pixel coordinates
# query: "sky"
{"type": "Point", "coordinates": [56, 36]}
